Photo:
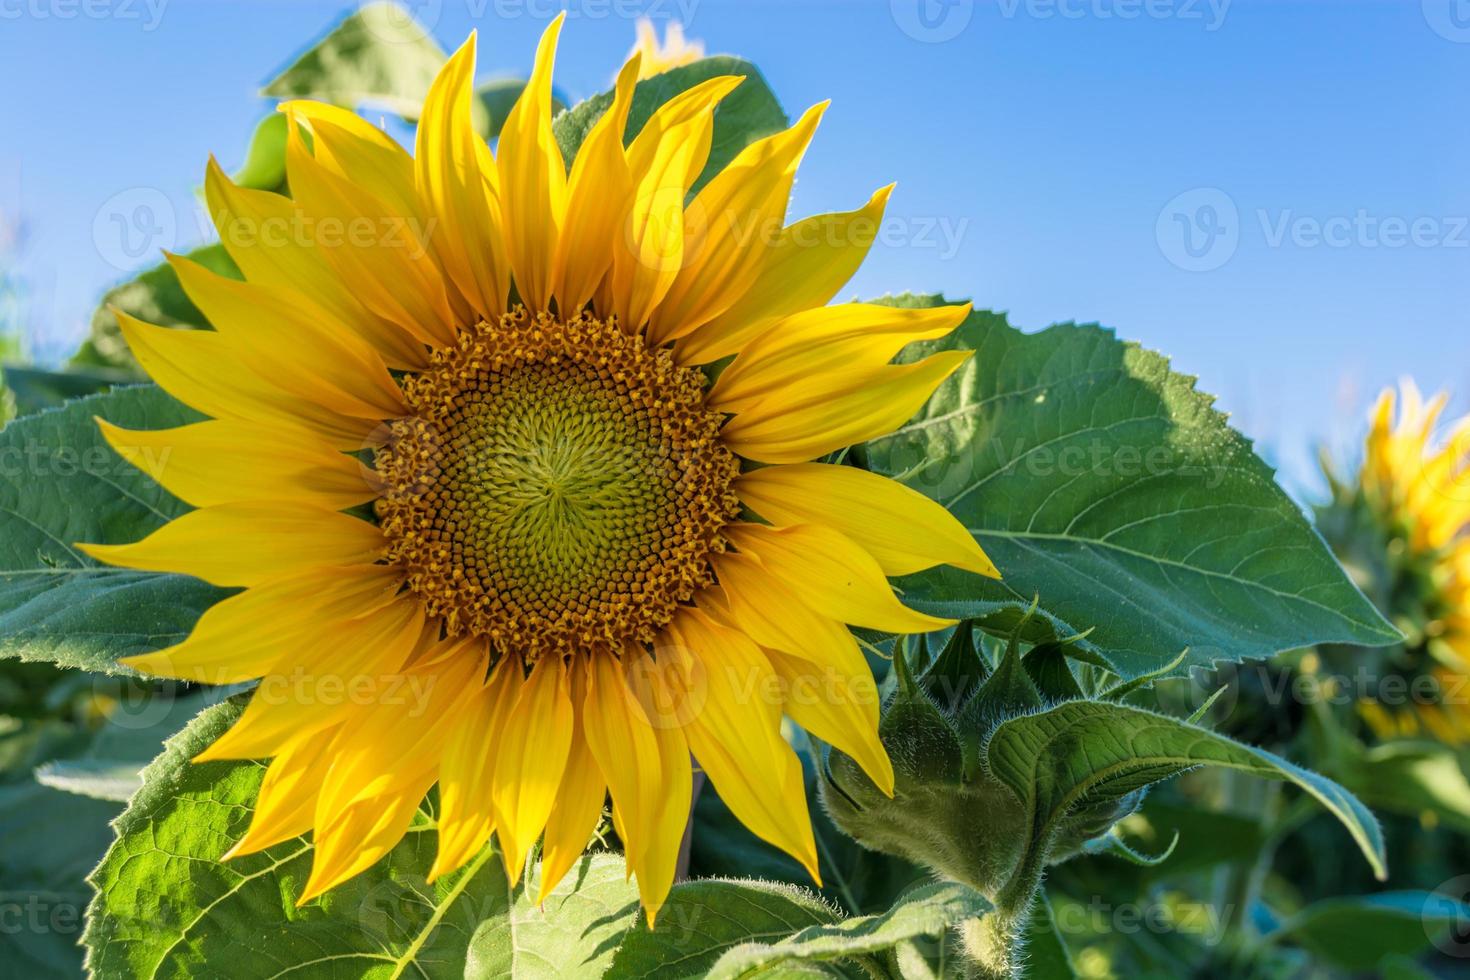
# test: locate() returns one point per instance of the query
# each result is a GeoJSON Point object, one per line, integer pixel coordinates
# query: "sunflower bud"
{"type": "Point", "coordinates": [948, 812]}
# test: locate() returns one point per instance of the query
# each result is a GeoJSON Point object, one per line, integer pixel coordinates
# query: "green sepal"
{"type": "Point", "coordinates": [957, 672]}
{"type": "Point", "coordinates": [1049, 668]}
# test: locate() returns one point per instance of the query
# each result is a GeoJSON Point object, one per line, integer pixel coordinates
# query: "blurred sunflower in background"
{"type": "Point", "coordinates": [674, 52]}
{"type": "Point", "coordinates": [1400, 529]}
{"type": "Point", "coordinates": [490, 464]}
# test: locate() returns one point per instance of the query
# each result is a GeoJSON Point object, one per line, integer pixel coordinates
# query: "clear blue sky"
{"type": "Point", "coordinates": [1041, 148]}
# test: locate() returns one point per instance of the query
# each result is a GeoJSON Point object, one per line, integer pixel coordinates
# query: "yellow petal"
{"type": "Point", "coordinates": [790, 429]}
{"type": "Point", "coordinates": [622, 740]}
{"type": "Point", "coordinates": [228, 461]}
{"type": "Point", "coordinates": [828, 572]}
{"type": "Point", "coordinates": [808, 264]}
{"type": "Point", "coordinates": [730, 706]}
{"type": "Point", "coordinates": [371, 248]}
{"type": "Point", "coordinates": [661, 835]}
{"type": "Point", "coordinates": [533, 179]}
{"type": "Point", "coordinates": [815, 354]}
{"type": "Point", "coordinates": [828, 688]}
{"type": "Point", "coordinates": [352, 672]}
{"type": "Point", "coordinates": [579, 800]}
{"type": "Point", "coordinates": [598, 191]}
{"type": "Point", "coordinates": [268, 236]}
{"type": "Point", "coordinates": [839, 707]}
{"type": "Point", "coordinates": [399, 725]}
{"type": "Point", "coordinates": [361, 836]}
{"type": "Point", "coordinates": [201, 369]}
{"type": "Point", "coordinates": [901, 528]}
{"type": "Point", "coordinates": [244, 544]}
{"type": "Point", "coordinates": [664, 159]}
{"type": "Point", "coordinates": [529, 761]}
{"type": "Point", "coordinates": [765, 609]}
{"type": "Point", "coordinates": [457, 177]}
{"type": "Point", "coordinates": [727, 228]}
{"type": "Point", "coordinates": [291, 342]}
{"type": "Point", "coordinates": [249, 635]}
{"type": "Point", "coordinates": [466, 785]}
{"type": "Point", "coordinates": [356, 150]}
{"type": "Point", "coordinates": [287, 797]}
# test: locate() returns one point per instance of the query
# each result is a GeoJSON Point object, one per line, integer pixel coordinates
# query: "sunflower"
{"type": "Point", "coordinates": [1414, 504]}
{"type": "Point", "coordinates": [674, 52]}
{"type": "Point", "coordinates": [498, 524]}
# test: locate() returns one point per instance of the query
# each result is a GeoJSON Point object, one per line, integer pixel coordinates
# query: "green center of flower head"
{"type": "Point", "coordinates": [559, 485]}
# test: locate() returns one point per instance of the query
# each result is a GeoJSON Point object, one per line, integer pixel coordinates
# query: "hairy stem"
{"type": "Point", "coordinates": [995, 943]}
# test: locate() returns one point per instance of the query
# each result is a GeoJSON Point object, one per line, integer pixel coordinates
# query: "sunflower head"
{"type": "Point", "coordinates": [466, 442]}
{"type": "Point", "coordinates": [1401, 528]}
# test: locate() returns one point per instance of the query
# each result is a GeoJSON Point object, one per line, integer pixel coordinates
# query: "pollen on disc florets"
{"type": "Point", "coordinates": [558, 485]}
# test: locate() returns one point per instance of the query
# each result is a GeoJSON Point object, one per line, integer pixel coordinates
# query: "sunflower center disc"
{"type": "Point", "coordinates": [558, 486]}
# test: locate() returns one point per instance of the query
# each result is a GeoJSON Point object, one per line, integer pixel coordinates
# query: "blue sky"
{"type": "Point", "coordinates": [1274, 192]}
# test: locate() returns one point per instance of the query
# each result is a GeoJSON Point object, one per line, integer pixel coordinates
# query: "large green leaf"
{"type": "Point", "coordinates": [379, 56]}
{"type": "Point", "coordinates": [1090, 751]}
{"type": "Point", "coordinates": [49, 840]}
{"type": "Point", "coordinates": [1360, 932]}
{"type": "Point", "coordinates": [930, 911]}
{"type": "Point", "coordinates": [34, 388]}
{"type": "Point", "coordinates": [165, 907]}
{"type": "Point", "coordinates": [1410, 778]}
{"type": "Point", "coordinates": [61, 484]}
{"type": "Point", "coordinates": [154, 296]}
{"type": "Point", "coordinates": [703, 919]}
{"type": "Point", "coordinates": [746, 114]}
{"type": "Point", "coordinates": [111, 766]}
{"type": "Point", "coordinates": [1047, 957]}
{"type": "Point", "coordinates": [1101, 481]}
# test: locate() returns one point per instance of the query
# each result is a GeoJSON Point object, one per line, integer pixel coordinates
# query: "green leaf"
{"type": "Point", "coordinates": [111, 767]}
{"type": "Point", "coordinates": [1099, 479]}
{"type": "Point", "coordinates": [1206, 838]}
{"type": "Point", "coordinates": [379, 56]}
{"type": "Point", "coordinates": [1112, 844]}
{"type": "Point", "coordinates": [1093, 752]}
{"type": "Point", "coordinates": [1358, 933]}
{"type": "Point", "coordinates": [166, 906]}
{"type": "Point", "coordinates": [703, 919]}
{"type": "Point", "coordinates": [747, 114]}
{"type": "Point", "coordinates": [155, 296]}
{"type": "Point", "coordinates": [35, 389]}
{"type": "Point", "coordinates": [49, 841]}
{"type": "Point", "coordinates": [493, 101]}
{"type": "Point", "coordinates": [264, 168]}
{"type": "Point", "coordinates": [61, 484]}
{"type": "Point", "coordinates": [929, 911]}
{"type": "Point", "coordinates": [1046, 955]}
{"type": "Point", "coordinates": [1410, 778]}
